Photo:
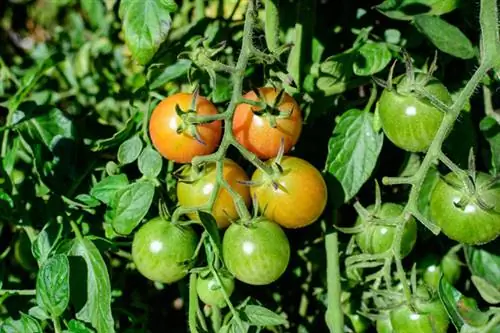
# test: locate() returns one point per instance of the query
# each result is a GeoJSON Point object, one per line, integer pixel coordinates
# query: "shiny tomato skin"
{"type": "Point", "coordinates": [209, 289]}
{"type": "Point", "coordinates": [159, 249]}
{"type": "Point", "coordinates": [256, 133]}
{"type": "Point", "coordinates": [378, 238]}
{"type": "Point", "coordinates": [471, 224]}
{"type": "Point", "coordinates": [182, 147]}
{"type": "Point", "coordinates": [407, 120]}
{"type": "Point", "coordinates": [257, 254]}
{"type": "Point", "coordinates": [198, 192]}
{"type": "Point", "coordinates": [432, 268]}
{"type": "Point", "coordinates": [431, 317]}
{"type": "Point", "coordinates": [300, 198]}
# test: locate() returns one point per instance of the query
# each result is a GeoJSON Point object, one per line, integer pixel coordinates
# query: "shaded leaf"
{"type": "Point", "coordinates": [488, 292]}
{"type": "Point", "coordinates": [484, 264]}
{"type": "Point", "coordinates": [210, 226]}
{"type": "Point", "coordinates": [371, 58]}
{"type": "Point", "coordinates": [46, 241]}
{"type": "Point", "coordinates": [261, 316]}
{"type": "Point", "coordinates": [75, 326]}
{"type": "Point", "coordinates": [491, 132]}
{"type": "Point", "coordinates": [95, 11]}
{"type": "Point", "coordinates": [170, 73]}
{"type": "Point", "coordinates": [26, 324]}
{"type": "Point", "coordinates": [120, 136]}
{"type": "Point", "coordinates": [52, 285]}
{"type": "Point", "coordinates": [107, 188]}
{"type": "Point", "coordinates": [407, 9]}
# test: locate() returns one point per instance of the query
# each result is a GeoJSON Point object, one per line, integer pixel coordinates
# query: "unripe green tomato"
{"type": "Point", "coordinates": [359, 323]}
{"type": "Point", "coordinates": [430, 317]}
{"type": "Point", "coordinates": [378, 238]}
{"type": "Point", "coordinates": [210, 290]}
{"type": "Point", "coordinates": [432, 267]}
{"type": "Point", "coordinates": [384, 325]}
{"type": "Point", "coordinates": [160, 248]}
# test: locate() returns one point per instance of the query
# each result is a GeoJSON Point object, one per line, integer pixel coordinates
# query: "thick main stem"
{"type": "Point", "coordinates": [334, 314]}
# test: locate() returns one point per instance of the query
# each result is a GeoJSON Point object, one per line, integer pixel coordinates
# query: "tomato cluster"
{"type": "Point", "coordinates": [255, 251]}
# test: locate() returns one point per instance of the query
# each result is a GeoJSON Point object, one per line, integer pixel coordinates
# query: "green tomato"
{"type": "Point", "coordinates": [407, 120]}
{"type": "Point", "coordinates": [160, 249]}
{"type": "Point", "coordinates": [210, 290]}
{"type": "Point", "coordinates": [359, 323]}
{"type": "Point", "coordinates": [383, 325]}
{"type": "Point", "coordinates": [378, 238]}
{"type": "Point", "coordinates": [257, 254]}
{"type": "Point", "coordinates": [432, 268]}
{"type": "Point", "coordinates": [429, 317]}
{"type": "Point", "coordinates": [470, 223]}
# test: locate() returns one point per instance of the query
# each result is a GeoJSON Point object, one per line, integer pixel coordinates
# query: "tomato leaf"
{"type": "Point", "coordinates": [169, 73]}
{"type": "Point", "coordinates": [96, 309]}
{"type": "Point", "coordinates": [146, 25]}
{"type": "Point", "coordinates": [371, 58]}
{"type": "Point", "coordinates": [488, 292]}
{"type": "Point", "coordinates": [484, 264]}
{"type": "Point", "coordinates": [52, 285]}
{"type": "Point", "coordinates": [120, 136]}
{"type": "Point", "coordinates": [95, 12]}
{"type": "Point", "coordinates": [150, 162]}
{"type": "Point", "coordinates": [407, 9]}
{"type": "Point", "coordinates": [222, 89]}
{"type": "Point", "coordinates": [261, 316]}
{"type": "Point", "coordinates": [430, 181]}
{"type": "Point", "coordinates": [129, 206]}
{"type": "Point", "coordinates": [445, 36]}
{"type": "Point", "coordinates": [26, 324]}
{"type": "Point", "coordinates": [129, 150]}
{"type": "Point", "coordinates": [210, 226]}
{"type": "Point", "coordinates": [75, 326]}
{"type": "Point", "coordinates": [38, 313]}
{"type": "Point", "coordinates": [462, 310]}
{"type": "Point", "coordinates": [107, 188]}
{"type": "Point", "coordinates": [353, 151]}
{"type": "Point", "coordinates": [491, 132]}
{"type": "Point", "coordinates": [46, 241]}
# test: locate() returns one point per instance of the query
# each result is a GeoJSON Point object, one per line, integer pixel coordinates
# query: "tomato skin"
{"type": "Point", "coordinates": [378, 238]}
{"type": "Point", "coordinates": [198, 192]}
{"type": "Point", "coordinates": [433, 267]}
{"type": "Point", "coordinates": [257, 254]}
{"type": "Point", "coordinates": [255, 132]}
{"type": "Point", "coordinates": [471, 225]}
{"type": "Point", "coordinates": [431, 317]}
{"type": "Point", "coordinates": [408, 121]}
{"type": "Point", "coordinates": [209, 289]}
{"type": "Point", "coordinates": [182, 147]}
{"type": "Point", "coordinates": [159, 248]}
{"type": "Point", "coordinates": [300, 197]}
{"type": "Point", "coordinates": [383, 325]}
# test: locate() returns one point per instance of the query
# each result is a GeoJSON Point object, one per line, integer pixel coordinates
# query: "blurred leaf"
{"type": "Point", "coordinates": [371, 58]}
{"type": "Point", "coordinates": [26, 324]}
{"type": "Point", "coordinates": [129, 206]}
{"type": "Point", "coordinates": [120, 136]}
{"type": "Point", "coordinates": [75, 326]}
{"type": "Point", "coordinates": [88, 200]}
{"type": "Point", "coordinates": [46, 241]}
{"type": "Point", "coordinates": [491, 132]}
{"type": "Point", "coordinates": [107, 188]}
{"type": "Point", "coordinates": [129, 150]}
{"type": "Point", "coordinates": [95, 12]}
{"type": "Point", "coordinates": [210, 226]}
{"type": "Point", "coordinates": [261, 316]}
{"type": "Point", "coordinates": [150, 162]}
{"type": "Point", "coordinates": [407, 9]}
{"type": "Point", "coordinates": [170, 73]}
{"type": "Point", "coordinates": [488, 292]}
{"type": "Point", "coordinates": [97, 308]}
{"type": "Point", "coordinates": [353, 151]}
{"type": "Point", "coordinates": [52, 285]}
{"type": "Point", "coordinates": [146, 25]}
{"type": "Point", "coordinates": [461, 310]}
{"type": "Point", "coordinates": [445, 36]}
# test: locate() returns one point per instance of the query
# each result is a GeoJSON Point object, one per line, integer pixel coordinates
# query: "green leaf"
{"type": "Point", "coordinates": [430, 180]}
{"type": "Point", "coordinates": [46, 241]}
{"type": "Point", "coordinates": [461, 310]}
{"type": "Point", "coordinates": [491, 132]}
{"type": "Point", "coordinates": [353, 151]}
{"type": "Point", "coordinates": [95, 12]}
{"type": "Point", "coordinates": [88, 200]}
{"type": "Point", "coordinates": [261, 316]}
{"type": "Point", "coordinates": [170, 73]}
{"type": "Point", "coordinates": [150, 163]}
{"type": "Point", "coordinates": [371, 58]}
{"type": "Point", "coordinates": [223, 89]}
{"type": "Point", "coordinates": [484, 264]}
{"type": "Point", "coordinates": [107, 188]}
{"type": "Point", "coordinates": [52, 285]}
{"type": "Point", "coordinates": [26, 324]}
{"type": "Point", "coordinates": [38, 313]}
{"type": "Point", "coordinates": [210, 226]}
{"type": "Point", "coordinates": [97, 307]}
{"type": "Point", "coordinates": [407, 9]}
{"type": "Point", "coordinates": [75, 326]}
{"type": "Point", "coordinates": [488, 292]}
{"type": "Point", "coordinates": [129, 206]}
{"type": "Point", "coordinates": [129, 150]}
{"type": "Point", "coordinates": [120, 136]}
{"type": "Point", "coordinates": [146, 25]}
{"type": "Point", "coordinates": [445, 36]}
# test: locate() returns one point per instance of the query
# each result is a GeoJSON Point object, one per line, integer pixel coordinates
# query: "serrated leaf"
{"type": "Point", "coordinates": [26, 324]}
{"type": "Point", "coordinates": [120, 136]}
{"type": "Point", "coordinates": [97, 307]}
{"type": "Point", "coordinates": [129, 206]}
{"type": "Point", "coordinates": [107, 188]}
{"type": "Point", "coordinates": [353, 151]}
{"type": "Point", "coordinates": [52, 285]}
{"type": "Point", "coordinates": [150, 162]}
{"type": "Point", "coordinates": [445, 36]}
{"type": "Point", "coordinates": [490, 129]}
{"type": "Point", "coordinates": [129, 150]}
{"type": "Point", "coordinates": [146, 25]}
{"type": "Point", "coordinates": [261, 316]}
{"type": "Point", "coordinates": [371, 58]}
{"type": "Point", "coordinates": [210, 225]}
{"type": "Point", "coordinates": [488, 292]}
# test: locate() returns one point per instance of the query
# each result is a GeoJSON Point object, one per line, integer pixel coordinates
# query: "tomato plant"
{"type": "Point", "coordinates": [294, 197]}
{"type": "Point", "coordinates": [249, 166]}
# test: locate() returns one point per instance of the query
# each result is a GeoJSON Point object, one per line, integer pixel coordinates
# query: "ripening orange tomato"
{"type": "Point", "coordinates": [182, 146]}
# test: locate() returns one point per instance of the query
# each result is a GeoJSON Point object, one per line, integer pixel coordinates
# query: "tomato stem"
{"type": "Point", "coordinates": [334, 313]}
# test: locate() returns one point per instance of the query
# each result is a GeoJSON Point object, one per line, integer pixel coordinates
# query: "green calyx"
{"type": "Point", "coordinates": [271, 111]}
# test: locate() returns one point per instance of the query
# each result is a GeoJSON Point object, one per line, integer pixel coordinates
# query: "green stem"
{"type": "Point", "coordinates": [272, 25]}
{"type": "Point", "coordinates": [490, 43]}
{"type": "Point", "coordinates": [76, 230]}
{"type": "Point", "coordinates": [57, 324]}
{"type": "Point", "coordinates": [373, 98]}
{"type": "Point", "coordinates": [488, 104]}
{"type": "Point", "coordinates": [216, 318]}
{"type": "Point", "coordinates": [18, 292]}
{"type": "Point", "coordinates": [199, 10]}
{"type": "Point", "coordinates": [193, 304]}
{"type": "Point", "coordinates": [145, 122]}
{"type": "Point", "coordinates": [334, 314]}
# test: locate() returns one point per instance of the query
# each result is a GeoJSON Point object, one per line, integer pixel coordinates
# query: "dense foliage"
{"type": "Point", "coordinates": [249, 166]}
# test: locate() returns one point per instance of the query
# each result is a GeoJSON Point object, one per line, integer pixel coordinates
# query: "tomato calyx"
{"type": "Point", "coordinates": [472, 193]}
{"type": "Point", "coordinates": [189, 119]}
{"type": "Point", "coordinates": [271, 111]}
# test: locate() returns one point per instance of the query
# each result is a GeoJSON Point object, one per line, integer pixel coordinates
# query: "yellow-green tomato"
{"type": "Point", "coordinates": [210, 290]}
{"type": "Point", "coordinates": [379, 238]}
{"type": "Point", "coordinates": [160, 249]}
